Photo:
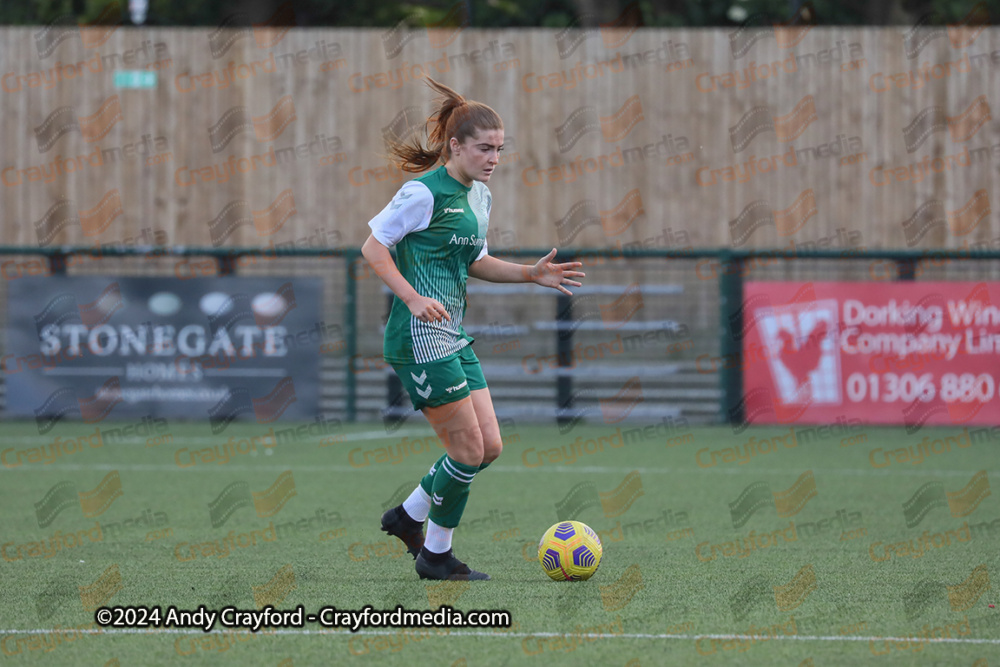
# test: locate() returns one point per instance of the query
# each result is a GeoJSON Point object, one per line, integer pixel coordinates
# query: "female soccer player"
{"type": "Point", "coordinates": [437, 223]}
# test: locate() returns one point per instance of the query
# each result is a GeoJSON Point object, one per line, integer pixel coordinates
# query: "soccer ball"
{"type": "Point", "coordinates": [570, 551]}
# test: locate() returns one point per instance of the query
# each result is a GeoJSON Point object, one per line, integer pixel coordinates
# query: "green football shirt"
{"type": "Point", "coordinates": [438, 228]}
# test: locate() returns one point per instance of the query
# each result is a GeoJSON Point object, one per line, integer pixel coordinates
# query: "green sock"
{"type": "Point", "coordinates": [483, 466]}
{"type": "Point", "coordinates": [450, 492]}
{"type": "Point", "coordinates": [427, 483]}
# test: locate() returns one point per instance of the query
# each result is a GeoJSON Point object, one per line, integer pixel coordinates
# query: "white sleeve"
{"type": "Point", "coordinates": [482, 253]}
{"type": "Point", "coordinates": [486, 202]}
{"type": "Point", "coordinates": [409, 211]}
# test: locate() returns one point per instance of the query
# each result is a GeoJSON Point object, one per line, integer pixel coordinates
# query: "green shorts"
{"type": "Point", "coordinates": [444, 381]}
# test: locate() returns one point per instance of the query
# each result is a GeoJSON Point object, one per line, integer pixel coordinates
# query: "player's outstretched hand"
{"type": "Point", "coordinates": [427, 309]}
{"type": "Point", "coordinates": [547, 274]}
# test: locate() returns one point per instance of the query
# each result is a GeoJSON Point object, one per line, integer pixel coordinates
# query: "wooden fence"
{"type": "Point", "coordinates": [826, 137]}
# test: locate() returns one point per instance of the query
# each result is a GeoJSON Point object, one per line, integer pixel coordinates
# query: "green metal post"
{"type": "Point", "coordinates": [351, 334]}
{"type": "Point", "coordinates": [730, 324]}
{"type": "Point", "coordinates": [907, 268]}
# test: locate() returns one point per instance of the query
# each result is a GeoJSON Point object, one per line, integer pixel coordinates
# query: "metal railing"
{"type": "Point", "coordinates": [731, 272]}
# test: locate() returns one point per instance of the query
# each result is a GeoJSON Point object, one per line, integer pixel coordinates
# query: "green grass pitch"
{"type": "Point", "coordinates": [771, 546]}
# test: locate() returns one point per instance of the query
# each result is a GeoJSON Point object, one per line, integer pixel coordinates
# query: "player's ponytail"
{"type": "Point", "coordinates": [455, 117]}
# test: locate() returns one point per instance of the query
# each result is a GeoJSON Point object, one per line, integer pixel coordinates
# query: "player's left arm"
{"type": "Point", "coordinates": [544, 272]}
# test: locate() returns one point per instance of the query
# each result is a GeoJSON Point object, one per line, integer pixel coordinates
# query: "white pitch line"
{"type": "Point", "coordinates": [217, 440]}
{"type": "Point", "coordinates": [499, 634]}
{"type": "Point", "coordinates": [847, 472]}
{"type": "Point", "coordinates": [380, 468]}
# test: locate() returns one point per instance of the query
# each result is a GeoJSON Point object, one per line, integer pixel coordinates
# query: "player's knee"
{"type": "Point", "coordinates": [492, 441]}
{"type": "Point", "coordinates": [492, 448]}
{"type": "Point", "coordinates": [477, 451]}
{"type": "Point", "coordinates": [468, 444]}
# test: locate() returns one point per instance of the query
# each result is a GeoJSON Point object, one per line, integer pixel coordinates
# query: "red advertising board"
{"type": "Point", "coordinates": [909, 353]}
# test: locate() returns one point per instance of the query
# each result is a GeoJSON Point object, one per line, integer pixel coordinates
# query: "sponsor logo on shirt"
{"type": "Point", "coordinates": [466, 240]}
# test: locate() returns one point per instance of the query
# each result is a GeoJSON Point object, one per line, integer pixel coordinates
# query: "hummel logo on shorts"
{"type": "Point", "coordinates": [456, 387]}
{"type": "Point", "coordinates": [454, 210]}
